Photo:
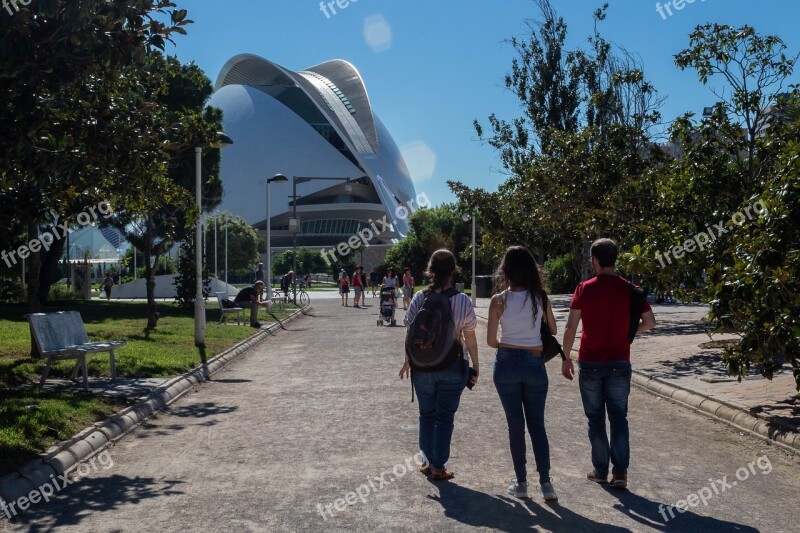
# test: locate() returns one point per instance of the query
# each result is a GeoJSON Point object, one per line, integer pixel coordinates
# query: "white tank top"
{"type": "Point", "coordinates": [517, 324]}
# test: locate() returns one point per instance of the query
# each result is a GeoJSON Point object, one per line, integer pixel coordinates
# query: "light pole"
{"type": "Point", "coordinates": [295, 180]}
{"type": "Point", "coordinates": [199, 302]}
{"type": "Point", "coordinates": [226, 256]}
{"type": "Point", "coordinates": [277, 178]}
{"type": "Point", "coordinates": [466, 218]}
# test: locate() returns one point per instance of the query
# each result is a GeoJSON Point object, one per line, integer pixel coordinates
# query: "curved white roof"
{"type": "Point", "coordinates": [316, 122]}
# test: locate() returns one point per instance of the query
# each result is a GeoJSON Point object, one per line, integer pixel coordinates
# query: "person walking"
{"type": "Point", "coordinates": [358, 287]}
{"type": "Point", "coordinates": [520, 376]}
{"type": "Point", "coordinates": [247, 298]}
{"type": "Point", "coordinates": [108, 282]}
{"type": "Point", "coordinates": [258, 275]}
{"type": "Point", "coordinates": [344, 287]}
{"type": "Point", "coordinates": [603, 305]}
{"type": "Point", "coordinates": [390, 280]}
{"type": "Point", "coordinates": [439, 391]}
{"type": "Point", "coordinates": [408, 287]}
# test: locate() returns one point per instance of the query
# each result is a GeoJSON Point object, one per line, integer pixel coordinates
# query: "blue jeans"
{"type": "Point", "coordinates": [605, 388]}
{"type": "Point", "coordinates": [439, 394]}
{"type": "Point", "coordinates": [521, 382]}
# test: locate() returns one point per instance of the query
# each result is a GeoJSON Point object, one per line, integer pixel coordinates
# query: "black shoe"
{"type": "Point", "coordinates": [255, 325]}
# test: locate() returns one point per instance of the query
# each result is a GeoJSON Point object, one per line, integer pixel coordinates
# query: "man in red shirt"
{"type": "Point", "coordinates": [604, 359]}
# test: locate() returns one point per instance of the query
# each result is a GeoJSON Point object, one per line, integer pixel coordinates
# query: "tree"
{"type": "Point", "coordinates": [179, 94]}
{"type": "Point", "coordinates": [577, 156]}
{"type": "Point", "coordinates": [243, 242]}
{"type": "Point", "coordinates": [755, 69]}
{"type": "Point", "coordinates": [64, 130]}
{"type": "Point", "coordinates": [308, 262]}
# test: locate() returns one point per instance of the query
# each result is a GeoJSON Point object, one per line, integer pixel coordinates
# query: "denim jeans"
{"type": "Point", "coordinates": [521, 382]}
{"type": "Point", "coordinates": [439, 394]}
{"type": "Point", "coordinates": [605, 388]}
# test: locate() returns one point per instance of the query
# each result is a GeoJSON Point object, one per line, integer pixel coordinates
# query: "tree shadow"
{"type": "Point", "coordinates": [205, 414]}
{"type": "Point", "coordinates": [478, 509]}
{"type": "Point", "coordinates": [88, 496]}
{"type": "Point", "coordinates": [652, 514]}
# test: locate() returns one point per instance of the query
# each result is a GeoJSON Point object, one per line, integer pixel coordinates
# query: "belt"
{"type": "Point", "coordinates": [536, 352]}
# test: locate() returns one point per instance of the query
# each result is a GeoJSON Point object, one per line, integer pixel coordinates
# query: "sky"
{"type": "Point", "coordinates": [431, 67]}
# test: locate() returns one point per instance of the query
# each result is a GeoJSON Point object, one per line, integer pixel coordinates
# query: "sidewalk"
{"type": "Point", "coordinates": [679, 352]}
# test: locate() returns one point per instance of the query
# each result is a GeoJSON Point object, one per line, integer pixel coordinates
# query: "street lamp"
{"type": "Point", "coordinates": [348, 188]}
{"type": "Point", "coordinates": [466, 218]}
{"type": "Point", "coordinates": [199, 303]}
{"type": "Point", "coordinates": [277, 178]}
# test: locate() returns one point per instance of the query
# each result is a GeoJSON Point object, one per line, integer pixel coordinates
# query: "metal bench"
{"type": "Point", "coordinates": [238, 311]}
{"type": "Point", "coordinates": [62, 335]}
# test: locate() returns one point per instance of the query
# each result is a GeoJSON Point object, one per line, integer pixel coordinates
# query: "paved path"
{"type": "Point", "coordinates": [318, 411]}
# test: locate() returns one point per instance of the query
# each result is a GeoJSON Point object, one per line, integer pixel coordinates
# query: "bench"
{"type": "Point", "coordinates": [62, 335]}
{"type": "Point", "coordinates": [238, 311]}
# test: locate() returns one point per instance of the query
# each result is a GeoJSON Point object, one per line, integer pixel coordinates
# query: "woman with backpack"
{"type": "Point", "coordinates": [439, 386]}
{"type": "Point", "coordinates": [519, 372]}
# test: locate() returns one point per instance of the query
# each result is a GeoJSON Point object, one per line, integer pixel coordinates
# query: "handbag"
{"type": "Point", "coordinates": [550, 346]}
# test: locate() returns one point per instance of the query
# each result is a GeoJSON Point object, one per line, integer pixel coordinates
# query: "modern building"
{"type": "Point", "coordinates": [315, 123]}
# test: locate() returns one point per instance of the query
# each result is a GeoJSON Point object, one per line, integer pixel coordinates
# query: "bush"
{"type": "Point", "coordinates": [560, 274]}
{"type": "Point", "coordinates": [61, 291]}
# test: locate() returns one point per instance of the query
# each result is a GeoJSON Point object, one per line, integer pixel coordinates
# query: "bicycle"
{"type": "Point", "coordinates": [305, 299]}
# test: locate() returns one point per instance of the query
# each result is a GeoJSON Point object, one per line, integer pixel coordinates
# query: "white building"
{"type": "Point", "coordinates": [314, 123]}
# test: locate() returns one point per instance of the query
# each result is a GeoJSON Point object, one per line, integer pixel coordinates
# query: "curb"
{"type": "Point", "coordinates": [717, 409]}
{"type": "Point", "coordinates": [67, 455]}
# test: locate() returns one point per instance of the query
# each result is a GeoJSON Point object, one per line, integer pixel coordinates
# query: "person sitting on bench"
{"type": "Point", "coordinates": [248, 299]}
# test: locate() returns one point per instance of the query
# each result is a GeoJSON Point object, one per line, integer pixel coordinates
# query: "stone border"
{"type": "Point", "coordinates": [719, 410]}
{"type": "Point", "coordinates": [67, 455]}
{"type": "Point", "coordinates": [716, 409]}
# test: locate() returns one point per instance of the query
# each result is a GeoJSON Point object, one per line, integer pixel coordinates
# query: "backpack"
{"type": "Point", "coordinates": [431, 339]}
{"type": "Point", "coordinates": [638, 297]}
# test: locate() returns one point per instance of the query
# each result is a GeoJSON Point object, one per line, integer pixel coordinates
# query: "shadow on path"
{"type": "Point", "coordinates": [94, 495]}
{"type": "Point", "coordinates": [647, 512]}
{"type": "Point", "coordinates": [478, 509]}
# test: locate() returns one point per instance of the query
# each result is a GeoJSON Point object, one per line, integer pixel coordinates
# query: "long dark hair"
{"type": "Point", "coordinates": [441, 267]}
{"type": "Point", "coordinates": [519, 268]}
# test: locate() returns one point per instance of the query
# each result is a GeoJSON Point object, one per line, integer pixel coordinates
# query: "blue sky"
{"type": "Point", "coordinates": [432, 66]}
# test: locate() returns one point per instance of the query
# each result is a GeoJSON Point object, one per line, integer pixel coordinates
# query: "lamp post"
{"type": "Point", "coordinates": [226, 256]}
{"type": "Point", "coordinates": [295, 180]}
{"type": "Point", "coordinates": [466, 218]}
{"type": "Point", "coordinates": [199, 302]}
{"type": "Point", "coordinates": [277, 178]}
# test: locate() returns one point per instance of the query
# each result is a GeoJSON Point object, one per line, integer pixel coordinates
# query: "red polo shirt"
{"type": "Point", "coordinates": [605, 303]}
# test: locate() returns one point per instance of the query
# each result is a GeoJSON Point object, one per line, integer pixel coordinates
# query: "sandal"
{"type": "Point", "coordinates": [441, 475]}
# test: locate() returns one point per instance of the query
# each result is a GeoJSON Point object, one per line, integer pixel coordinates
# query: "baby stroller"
{"type": "Point", "coordinates": [387, 306]}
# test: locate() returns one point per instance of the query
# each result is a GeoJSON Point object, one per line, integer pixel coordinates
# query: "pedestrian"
{"type": "Point", "coordinates": [258, 275]}
{"type": "Point", "coordinates": [358, 287]}
{"type": "Point", "coordinates": [344, 287]}
{"type": "Point", "coordinates": [390, 280]}
{"type": "Point", "coordinates": [247, 298]}
{"type": "Point", "coordinates": [364, 281]}
{"type": "Point", "coordinates": [286, 284]}
{"type": "Point", "coordinates": [603, 304]}
{"type": "Point", "coordinates": [108, 282]}
{"type": "Point", "coordinates": [520, 376]}
{"type": "Point", "coordinates": [439, 391]}
{"type": "Point", "coordinates": [408, 287]}
{"type": "Point", "coordinates": [373, 281]}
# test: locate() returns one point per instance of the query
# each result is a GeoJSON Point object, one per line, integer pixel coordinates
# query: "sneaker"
{"type": "Point", "coordinates": [549, 492]}
{"type": "Point", "coordinates": [255, 325]}
{"type": "Point", "coordinates": [619, 481]}
{"type": "Point", "coordinates": [519, 490]}
{"type": "Point", "coordinates": [592, 476]}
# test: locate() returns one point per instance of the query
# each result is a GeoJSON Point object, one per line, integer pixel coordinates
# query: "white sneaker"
{"type": "Point", "coordinates": [549, 492]}
{"type": "Point", "coordinates": [519, 490]}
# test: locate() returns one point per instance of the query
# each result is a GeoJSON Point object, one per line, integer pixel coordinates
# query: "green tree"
{"type": "Point", "coordinates": [243, 242]}
{"type": "Point", "coordinates": [178, 94]}
{"type": "Point", "coordinates": [66, 134]}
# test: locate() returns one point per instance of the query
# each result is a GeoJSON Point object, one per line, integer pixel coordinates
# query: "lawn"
{"type": "Point", "coordinates": [32, 420]}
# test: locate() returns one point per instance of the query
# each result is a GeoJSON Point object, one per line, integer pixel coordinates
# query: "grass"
{"type": "Point", "coordinates": [32, 420]}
